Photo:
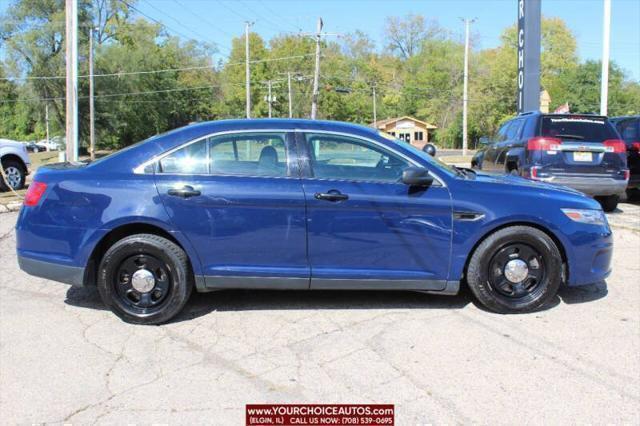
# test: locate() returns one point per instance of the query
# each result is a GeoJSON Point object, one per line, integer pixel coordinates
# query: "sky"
{"type": "Point", "coordinates": [217, 21]}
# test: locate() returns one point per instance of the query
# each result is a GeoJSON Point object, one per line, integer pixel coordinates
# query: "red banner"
{"type": "Point", "coordinates": [320, 414]}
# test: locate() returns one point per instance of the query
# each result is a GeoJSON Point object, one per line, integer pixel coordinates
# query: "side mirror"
{"type": "Point", "coordinates": [416, 176]}
{"type": "Point", "coordinates": [430, 149]}
{"type": "Point", "coordinates": [483, 140]}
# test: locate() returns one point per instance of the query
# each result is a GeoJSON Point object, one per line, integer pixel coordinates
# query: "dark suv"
{"type": "Point", "coordinates": [581, 151]}
{"type": "Point", "coordinates": [629, 129]}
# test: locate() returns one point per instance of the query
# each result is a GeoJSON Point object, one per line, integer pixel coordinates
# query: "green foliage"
{"type": "Point", "coordinates": [417, 71]}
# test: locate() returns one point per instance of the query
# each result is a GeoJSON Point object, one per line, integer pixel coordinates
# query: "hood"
{"type": "Point", "coordinates": [12, 144]}
{"type": "Point", "coordinates": [522, 182]}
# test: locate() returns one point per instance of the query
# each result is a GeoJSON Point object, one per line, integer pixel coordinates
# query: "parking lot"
{"type": "Point", "coordinates": [64, 359]}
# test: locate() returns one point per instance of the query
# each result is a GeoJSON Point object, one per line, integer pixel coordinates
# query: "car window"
{"type": "Point", "coordinates": [513, 131]}
{"type": "Point", "coordinates": [628, 129]}
{"type": "Point", "coordinates": [257, 154]}
{"type": "Point", "coordinates": [578, 127]}
{"type": "Point", "coordinates": [347, 158]}
{"type": "Point", "coordinates": [502, 133]}
{"type": "Point", "coordinates": [192, 159]}
{"type": "Point", "coordinates": [246, 154]}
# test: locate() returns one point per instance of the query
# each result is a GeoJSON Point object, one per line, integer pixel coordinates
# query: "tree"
{"type": "Point", "coordinates": [405, 36]}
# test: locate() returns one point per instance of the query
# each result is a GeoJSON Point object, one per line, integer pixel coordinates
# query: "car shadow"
{"type": "Point", "coordinates": [201, 304]}
{"type": "Point", "coordinates": [583, 293]}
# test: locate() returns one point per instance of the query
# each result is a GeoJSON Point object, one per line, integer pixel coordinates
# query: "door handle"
{"type": "Point", "coordinates": [184, 192]}
{"type": "Point", "coordinates": [332, 195]}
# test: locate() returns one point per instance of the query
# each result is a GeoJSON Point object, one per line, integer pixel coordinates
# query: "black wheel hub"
{"type": "Point", "coordinates": [142, 281]}
{"type": "Point", "coordinates": [517, 271]}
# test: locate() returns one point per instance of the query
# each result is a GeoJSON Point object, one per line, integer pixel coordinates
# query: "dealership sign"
{"type": "Point", "coordinates": [528, 55]}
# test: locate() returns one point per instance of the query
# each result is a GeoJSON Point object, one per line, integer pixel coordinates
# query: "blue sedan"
{"type": "Point", "coordinates": [302, 205]}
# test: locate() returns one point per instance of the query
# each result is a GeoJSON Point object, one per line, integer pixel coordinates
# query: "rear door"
{"type": "Point", "coordinates": [238, 198]}
{"type": "Point", "coordinates": [366, 229]}
{"type": "Point", "coordinates": [583, 148]}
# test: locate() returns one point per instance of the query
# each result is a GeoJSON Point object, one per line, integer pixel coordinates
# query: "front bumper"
{"type": "Point", "coordinates": [590, 255]}
{"type": "Point", "coordinates": [73, 275]}
{"type": "Point", "coordinates": [592, 186]}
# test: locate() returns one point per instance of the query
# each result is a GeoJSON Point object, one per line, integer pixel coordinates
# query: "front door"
{"type": "Point", "coordinates": [238, 199]}
{"type": "Point", "coordinates": [366, 229]}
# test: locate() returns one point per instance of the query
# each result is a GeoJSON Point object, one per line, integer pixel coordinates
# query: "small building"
{"type": "Point", "coordinates": [408, 129]}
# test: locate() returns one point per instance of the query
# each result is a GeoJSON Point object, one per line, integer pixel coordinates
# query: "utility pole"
{"type": "Point", "coordinates": [269, 98]}
{"type": "Point", "coordinates": [290, 95]}
{"type": "Point", "coordinates": [247, 24]}
{"type": "Point", "coordinates": [604, 80]}
{"type": "Point", "coordinates": [465, 94]}
{"type": "Point", "coordinates": [46, 120]}
{"type": "Point", "coordinates": [375, 112]}
{"type": "Point", "coordinates": [92, 128]}
{"type": "Point", "coordinates": [316, 74]}
{"type": "Point", "coordinates": [71, 56]}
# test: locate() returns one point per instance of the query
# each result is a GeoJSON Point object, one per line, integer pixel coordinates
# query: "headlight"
{"type": "Point", "coordinates": [592, 217]}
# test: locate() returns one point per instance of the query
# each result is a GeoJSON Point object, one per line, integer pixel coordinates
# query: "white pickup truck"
{"type": "Point", "coordinates": [15, 162]}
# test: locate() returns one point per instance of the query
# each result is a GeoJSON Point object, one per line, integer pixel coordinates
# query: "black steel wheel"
{"type": "Point", "coordinates": [515, 269]}
{"type": "Point", "coordinates": [145, 279]}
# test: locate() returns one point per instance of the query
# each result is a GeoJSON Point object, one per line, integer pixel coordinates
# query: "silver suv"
{"type": "Point", "coordinates": [15, 162]}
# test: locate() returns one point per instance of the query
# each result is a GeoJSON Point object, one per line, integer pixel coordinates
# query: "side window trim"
{"type": "Point", "coordinates": [152, 166]}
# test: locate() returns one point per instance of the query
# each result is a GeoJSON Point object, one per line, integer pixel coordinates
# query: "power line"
{"type": "Point", "coordinates": [205, 20]}
{"type": "Point", "coordinates": [126, 73]}
{"type": "Point", "coordinates": [202, 37]}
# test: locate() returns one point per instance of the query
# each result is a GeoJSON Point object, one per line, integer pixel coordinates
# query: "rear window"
{"type": "Point", "coordinates": [580, 128]}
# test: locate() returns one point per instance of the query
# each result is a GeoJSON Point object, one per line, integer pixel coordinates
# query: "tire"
{"type": "Point", "coordinates": [489, 283]}
{"type": "Point", "coordinates": [633, 194]}
{"type": "Point", "coordinates": [172, 279]}
{"type": "Point", "coordinates": [15, 173]}
{"type": "Point", "coordinates": [609, 203]}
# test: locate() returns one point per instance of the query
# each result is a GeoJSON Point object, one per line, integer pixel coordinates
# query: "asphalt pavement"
{"type": "Point", "coordinates": [65, 359]}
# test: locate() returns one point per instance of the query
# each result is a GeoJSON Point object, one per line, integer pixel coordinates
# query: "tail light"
{"type": "Point", "coordinates": [635, 146]}
{"type": "Point", "coordinates": [615, 145]}
{"type": "Point", "coordinates": [627, 174]}
{"type": "Point", "coordinates": [34, 193]}
{"type": "Point", "coordinates": [543, 144]}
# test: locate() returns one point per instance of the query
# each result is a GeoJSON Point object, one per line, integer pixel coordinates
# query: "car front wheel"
{"type": "Point", "coordinates": [145, 279]}
{"type": "Point", "coordinates": [514, 270]}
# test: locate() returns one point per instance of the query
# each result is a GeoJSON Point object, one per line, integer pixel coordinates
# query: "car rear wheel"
{"type": "Point", "coordinates": [15, 175]}
{"type": "Point", "coordinates": [609, 203]}
{"type": "Point", "coordinates": [145, 279]}
{"type": "Point", "coordinates": [515, 270]}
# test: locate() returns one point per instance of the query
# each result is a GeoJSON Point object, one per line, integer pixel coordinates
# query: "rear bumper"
{"type": "Point", "coordinates": [73, 275]}
{"type": "Point", "coordinates": [593, 186]}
